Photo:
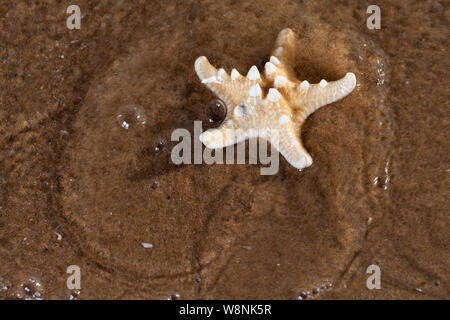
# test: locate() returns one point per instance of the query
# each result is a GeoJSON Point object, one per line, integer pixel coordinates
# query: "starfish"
{"type": "Point", "coordinates": [282, 110]}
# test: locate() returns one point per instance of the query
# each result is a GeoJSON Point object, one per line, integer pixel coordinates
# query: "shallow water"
{"type": "Point", "coordinates": [86, 176]}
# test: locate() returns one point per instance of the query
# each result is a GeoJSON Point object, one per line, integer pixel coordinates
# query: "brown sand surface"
{"type": "Point", "coordinates": [77, 188]}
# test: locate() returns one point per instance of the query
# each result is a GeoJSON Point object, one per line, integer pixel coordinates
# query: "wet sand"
{"type": "Point", "coordinates": [80, 187]}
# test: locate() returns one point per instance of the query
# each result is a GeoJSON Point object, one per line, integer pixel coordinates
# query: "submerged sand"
{"type": "Point", "coordinates": [80, 187]}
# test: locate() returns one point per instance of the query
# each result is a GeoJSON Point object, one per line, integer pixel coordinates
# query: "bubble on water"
{"type": "Point", "coordinates": [154, 185]}
{"type": "Point", "coordinates": [387, 176]}
{"type": "Point", "coordinates": [161, 145]}
{"type": "Point", "coordinates": [125, 124]}
{"type": "Point", "coordinates": [74, 294]}
{"type": "Point", "coordinates": [175, 296]}
{"type": "Point", "coordinates": [381, 73]}
{"type": "Point", "coordinates": [303, 295]}
{"type": "Point", "coordinates": [216, 111]}
{"type": "Point", "coordinates": [306, 294]}
{"type": "Point", "coordinates": [132, 117]}
{"type": "Point", "coordinates": [31, 290]}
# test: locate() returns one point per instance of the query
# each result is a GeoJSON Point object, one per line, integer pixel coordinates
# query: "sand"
{"type": "Point", "coordinates": [86, 176]}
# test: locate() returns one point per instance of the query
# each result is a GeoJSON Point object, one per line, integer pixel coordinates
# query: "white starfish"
{"type": "Point", "coordinates": [283, 109]}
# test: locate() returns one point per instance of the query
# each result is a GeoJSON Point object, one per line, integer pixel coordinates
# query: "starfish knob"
{"type": "Point", "coordinates": [283, 109]}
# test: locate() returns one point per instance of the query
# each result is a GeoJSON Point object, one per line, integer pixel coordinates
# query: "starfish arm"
{"type": "Point", "coordinates": [323, 93]}
{"type": "Point", "coordinates": [214, 79]}
{"type": "Point", "coordinates": [225, 135]}
{"type": "Point", "coordinates": [287, 142]}
{"type": "Point", "coordinates": [230, 89]}
{"type": "Point", "coordinates": [285, 50]}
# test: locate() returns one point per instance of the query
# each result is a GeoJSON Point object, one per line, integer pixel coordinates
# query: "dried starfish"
{"type": "Point", "coordinates": [283, 110]}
